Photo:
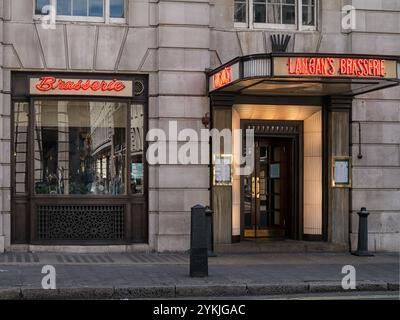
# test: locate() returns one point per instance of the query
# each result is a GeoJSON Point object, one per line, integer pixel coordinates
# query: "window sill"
{"type": "Point", "coordinates": [84, 20]}
{"type": "Point", "coordinates": [273, 28]}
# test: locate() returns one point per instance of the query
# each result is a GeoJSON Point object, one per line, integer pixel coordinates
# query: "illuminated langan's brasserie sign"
{"type": "Point", "coordinates": [334, 67]}
{"type": "Point", "coordinates": [50, 85]}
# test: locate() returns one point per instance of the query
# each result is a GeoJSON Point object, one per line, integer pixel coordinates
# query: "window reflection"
{"type": "Point", "coordinates": [308, 9]}
{"type": "Point", "coordinates": [80, 147]}
{"type": "Point", "coordinates": [40, 4]}
{"type": "Point", "coordinates": [95, 8]}
{"type": "Point", "coordinates": [64, 7]}
{"type": "Point", "coordinates": [79, 8]}
{"type": "Point", "coordinates": [137, 147]}
{"type": "Point", "coordinates": [117, 8]}
{"type": "Point", "coordinates": [240, 7]}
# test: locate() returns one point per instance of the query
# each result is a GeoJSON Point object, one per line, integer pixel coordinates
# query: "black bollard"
{"type": "Point", "coordinates": [198, 242]}
{"type": "Point", "coordinates": [210, 231]}
{"type": "Point", "coordinates": [362, 248]}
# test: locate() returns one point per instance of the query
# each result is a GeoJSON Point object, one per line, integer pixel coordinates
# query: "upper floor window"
{"type": "Point", "coordinates": [282, 14]}
{"type": "Point", "coordinates": [84, 10]}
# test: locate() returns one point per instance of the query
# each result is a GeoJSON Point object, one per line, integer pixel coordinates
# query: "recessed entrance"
{"type": "Point", "coordinates": [281, 198]}
{"type": "Point", "coordinates": [268, 196]}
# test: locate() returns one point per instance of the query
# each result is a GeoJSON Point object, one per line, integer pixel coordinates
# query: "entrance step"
{"type": "Point", "coordinates": [280, 246]}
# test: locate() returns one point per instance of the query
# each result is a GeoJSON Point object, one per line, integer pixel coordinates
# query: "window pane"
{"type": "Point", "coordinates": [80, 147]}
{"type": "Point", "coordinates": [95, 8]}
{"type": "Point", "coordinates": [137, 143]}
{"type": "Point", "coordinates": [259, 11]}
{"type": "Point", "coordinates": [308, 16]}
{"type": "Point", "coordinates": [288, 14]}
{"type": "Point", "coordinates": [20, 144]}
{"type": "Point", "coordinates": [117, 8]}
{"type": "Point", "coordinates": [40, 4]}
{"type": "Point", "coordinates": [79, 8]}
{"type": "Point", "coordinates": [274, 13]}
{"type": "Point", "coordinates": [64, 7]}
{"type": "Point", "coordinates": [240, 11]}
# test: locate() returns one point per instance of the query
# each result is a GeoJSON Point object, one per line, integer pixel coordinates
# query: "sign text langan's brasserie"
{"type": "Point", "coordinates": [50, 85]}
{"type": "Point", "coordinates": [334, 67]}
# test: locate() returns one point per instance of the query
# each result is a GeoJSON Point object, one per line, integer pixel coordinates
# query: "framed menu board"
{"type": "Point", "coordinates": [341, 172]}
{"type": "Point", "coordinates": [222, 170]}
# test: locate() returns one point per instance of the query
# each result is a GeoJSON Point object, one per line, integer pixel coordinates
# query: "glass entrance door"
{"type": "Point", "coordinates": [267, 192]}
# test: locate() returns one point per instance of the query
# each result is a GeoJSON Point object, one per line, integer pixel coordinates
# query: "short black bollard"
{"type": "Point", "coordinates": [362, 248]}
{"type": "Point", "coordinates": [210, 231]}
{"type": "Point", "coordinates": [198, 243]}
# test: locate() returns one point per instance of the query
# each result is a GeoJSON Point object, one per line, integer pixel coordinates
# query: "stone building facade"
{"type": "Point", "coordinates": [175, 43]}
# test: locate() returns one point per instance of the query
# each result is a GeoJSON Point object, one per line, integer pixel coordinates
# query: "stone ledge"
{"type": "Point", "coordinates": [144, 292]}
{"type": "Point", "coordinates": [10, 294]}
{"type": "Point", "coordinates": [66, 293]}
{"type": "Point", "coordinates": [211, 290]}
{"type": "Point", "coordinates": [394, 286]}
{"type": "Point", "coordinates": [200, 290]}
{"type": "Point", "coordinates": [131, 248]}
{"type": "Point", "coordinates": [336, 286]}
{"type": "Point", "coordinates": [267, 289]}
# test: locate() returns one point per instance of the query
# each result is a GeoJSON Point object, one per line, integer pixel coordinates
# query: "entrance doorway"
{"type": "Point", "coordinates": [268, 191]}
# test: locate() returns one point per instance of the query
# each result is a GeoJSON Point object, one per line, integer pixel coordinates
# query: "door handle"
{"type": "Point", "coordinates": [258, 187]}
{"type": "Point", "coordinates": [253, 187]}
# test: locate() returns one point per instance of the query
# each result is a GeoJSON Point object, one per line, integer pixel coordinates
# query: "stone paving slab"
{"type": "Point", "coordinates": [229, 275]}
{"type": "Point", "coordinates": [18, 258]}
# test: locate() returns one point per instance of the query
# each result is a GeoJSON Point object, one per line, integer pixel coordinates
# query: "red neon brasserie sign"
{"type": "Point", "coordinates": [59, 86]}
{"type": "Point", "coordinates": [52, 83]}
{"type": "Point", "coordinates": [327, 66]}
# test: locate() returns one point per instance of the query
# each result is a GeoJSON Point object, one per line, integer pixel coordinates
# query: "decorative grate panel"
{"type": "Point", "coordinates": [80, 222]}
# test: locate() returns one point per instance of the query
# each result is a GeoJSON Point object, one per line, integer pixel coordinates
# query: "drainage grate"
{"type": "Point", "coordinates": [19, 258]}
{"type": "Point", "coordinates": [158, 258]}
{"type": "Point", "coordinates": [69, 258]}
{"type": "Point", "coordinates": [93, 258]}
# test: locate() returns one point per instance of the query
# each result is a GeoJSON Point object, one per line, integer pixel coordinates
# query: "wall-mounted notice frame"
{"type": "Point", "coordinates": [222, 170]}
{"type": "Point", "coordinates": [341, 172]}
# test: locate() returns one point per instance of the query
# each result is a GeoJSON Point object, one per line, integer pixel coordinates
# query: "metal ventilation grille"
{"type": "Point", "coordinates": [282, 129]}
{"type": "Point", "coordinates": [80, 222]}
{"type": "Point", "coordinates": [257, 68]}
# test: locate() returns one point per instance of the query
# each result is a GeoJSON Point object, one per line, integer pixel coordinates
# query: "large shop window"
{"type": "Point", "coordinates": [276, 14]}
{"type": "Point", "coordinates": [80, 147]}
{"type": "Point", "coordinates": [84, 10]}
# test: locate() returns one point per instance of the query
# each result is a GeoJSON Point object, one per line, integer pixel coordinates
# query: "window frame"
{"type": "Point", "coordinates": [106, 19]}
{"type": "Point", "coordinates": [297, 26]}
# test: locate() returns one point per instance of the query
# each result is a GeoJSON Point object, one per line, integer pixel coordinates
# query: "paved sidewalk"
{"type": "Point", "coordinates": [134, 275]}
